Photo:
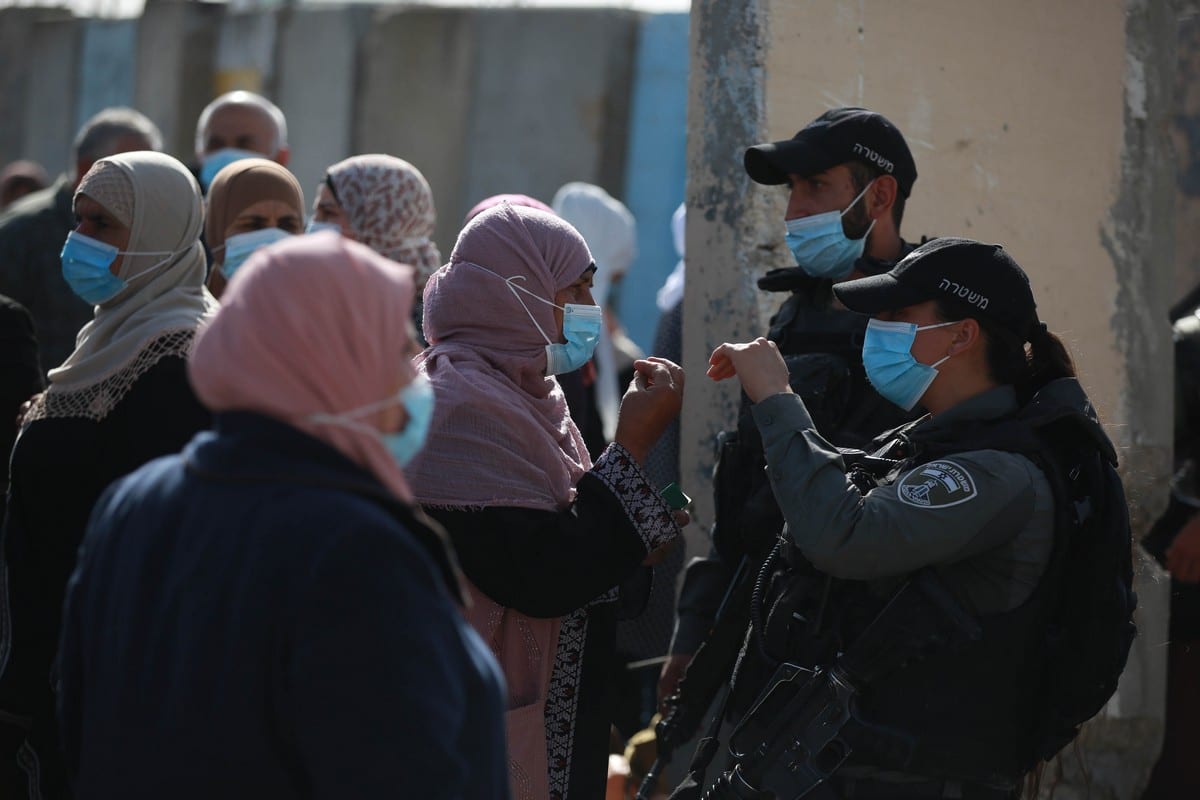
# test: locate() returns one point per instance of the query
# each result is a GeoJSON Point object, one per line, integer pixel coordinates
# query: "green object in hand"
{"type": "Point", "coordinates": [674, 496]}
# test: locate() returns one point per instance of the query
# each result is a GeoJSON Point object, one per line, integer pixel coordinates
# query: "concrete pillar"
{"type": "Point", "coordinates": [734, 232]}
{"type": "Point", "coordinates": [106, 66]}
{"type": "Point", "coordinates": [1058, 152]}
{"type": "Point", "coordinates": [49, 118]}
{"type": "Point", "coordinates": [314, 85]}
{"type": "Point", "coordinates": [176, 43]}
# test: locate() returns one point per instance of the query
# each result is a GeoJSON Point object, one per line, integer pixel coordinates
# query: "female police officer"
{"type": "Point", "coordinates": [974, 494]}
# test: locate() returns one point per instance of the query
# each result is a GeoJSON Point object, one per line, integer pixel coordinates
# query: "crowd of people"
{"type": "Point", "coordinates": [302, 509]}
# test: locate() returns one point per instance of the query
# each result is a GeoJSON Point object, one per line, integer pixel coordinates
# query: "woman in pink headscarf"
{"type": "Point", "coordinates": [544, 536]}
{"type": "Point", "coordinates": [267, 614]}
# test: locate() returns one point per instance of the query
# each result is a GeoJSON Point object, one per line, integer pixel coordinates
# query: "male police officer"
{"type": "Point", "coordinates": [849, 173]}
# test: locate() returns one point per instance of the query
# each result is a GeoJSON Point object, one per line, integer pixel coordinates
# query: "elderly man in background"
{"type": "Point", "coordinates": [19, 179]}
{"type": "Point", "coordinates": [33, 230]}
{"type": "Point", "coordinates": [239, 125]}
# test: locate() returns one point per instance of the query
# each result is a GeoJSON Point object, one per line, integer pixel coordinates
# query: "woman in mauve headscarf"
{"type": "Point", "coordinates": [544, 536]}
{"type": "Point", "coordinates": [385, 203]}
{"type": "Point", "coordinates": [119, 400]}
{"type": "Point", "coordinates": [267, 614]}
{"type": "Point", "coordinates": [251, 203]}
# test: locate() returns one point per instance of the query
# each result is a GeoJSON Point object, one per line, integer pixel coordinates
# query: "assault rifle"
{"type": "Point", "coordinates": [803, 728]}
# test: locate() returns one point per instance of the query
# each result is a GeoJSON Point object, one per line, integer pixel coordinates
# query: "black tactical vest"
{"type": "Point", "coordinates": [973, 713]}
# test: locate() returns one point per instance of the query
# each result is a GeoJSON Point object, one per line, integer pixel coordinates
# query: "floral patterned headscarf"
{"type": "Point", "coordinates": [390, 206]}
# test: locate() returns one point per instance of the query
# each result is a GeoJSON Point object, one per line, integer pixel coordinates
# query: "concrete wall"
{"type": "Point", "coordinates": [481, 100]}
{"type": "Point", "coordinates": [106, 67]}
{"type": "Point", "coordinates": [50, 117]}
{"type": "Point", "coordinates": [1040, 126]}
{"type": "Point", "coordinates": [17, 58]}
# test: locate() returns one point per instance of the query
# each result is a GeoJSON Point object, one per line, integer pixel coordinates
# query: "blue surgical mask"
{"type": "Point", "coordinates": [890, 365]}
{"type": "Point", "coordinates": [219, 160]}
{"type": "Point", "coordinates": [417, 400]}
{"type": "Point", "coordinates": [581, 328]}
{"type": "Point", "coordinates": [240, 246]}
{"type": "Point", "coordinates": [87, 267]}
{"type": "Point", "coordinates": [820, 245]}
{"type": "Point", "coordinates": [316, 227]}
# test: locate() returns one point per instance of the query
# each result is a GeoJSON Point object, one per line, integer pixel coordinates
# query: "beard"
{"type": "Point", "coordinates": [857, 222]}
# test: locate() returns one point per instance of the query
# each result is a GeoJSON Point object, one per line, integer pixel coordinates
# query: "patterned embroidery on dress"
{"type": "Point", "coordinates": [649, 513]}
{"type": "Point", "coordinates": [96, 401]}
{"type": "Point", "coordinates": [562, 702]}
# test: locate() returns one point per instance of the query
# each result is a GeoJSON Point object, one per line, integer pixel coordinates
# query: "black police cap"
{"type": "Point", "coordinates": [837, 136]}
{"type": "Point", "coordinates": [981, 279]}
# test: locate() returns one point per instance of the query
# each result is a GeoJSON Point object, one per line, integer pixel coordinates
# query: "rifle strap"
{"type": "Point", "coordinates": [706, 750]}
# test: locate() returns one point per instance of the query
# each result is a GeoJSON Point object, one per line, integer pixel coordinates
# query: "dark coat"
{"type": "Point", "coordinates": [20, 377]}
{"type": "Point", "coordinates": [60, 467]}
{"type": "Point", "coordinates": [258, 617]}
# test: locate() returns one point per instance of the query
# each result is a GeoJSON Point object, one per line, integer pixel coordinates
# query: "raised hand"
{"type": "Point", "coordinates": [652, 400]}
{"type": "Point", "coordinates": [757, 364]}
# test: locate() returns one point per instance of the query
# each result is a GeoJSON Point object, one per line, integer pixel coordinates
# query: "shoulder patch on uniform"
{"type": "Point", "coordinates": [937, 484]}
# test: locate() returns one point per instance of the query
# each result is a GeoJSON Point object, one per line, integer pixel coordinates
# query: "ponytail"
{"type": "Point", "coordinates": [1010, 361]}
{"type": "Point", "coordinates": [1048, 359]}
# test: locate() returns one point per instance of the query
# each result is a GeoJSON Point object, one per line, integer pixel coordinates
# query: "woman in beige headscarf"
{"type": "Point", "coordinates": [252, 203]}
{"type": "Point", "coordinates": [121, 399]}
{"type": "Point", "coordinates": [385, 203]}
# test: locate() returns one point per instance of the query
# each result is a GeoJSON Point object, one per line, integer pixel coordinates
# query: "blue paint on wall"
{"type": "Point", "coordinates": [106, 66]}
{"type": "Point", "coordinates": [655, 166]}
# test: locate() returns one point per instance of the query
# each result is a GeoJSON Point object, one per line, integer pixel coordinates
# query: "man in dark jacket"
{"type": "Point", "coordinates": [33, 229]}
{"type": "Point", "coordinates": [849, 173]}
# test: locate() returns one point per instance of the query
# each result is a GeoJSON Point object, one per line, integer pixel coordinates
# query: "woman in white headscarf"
{"type": "Point", "coordinates": [120, 399]}
{"type": "Point", "coordinates": [610, 231]}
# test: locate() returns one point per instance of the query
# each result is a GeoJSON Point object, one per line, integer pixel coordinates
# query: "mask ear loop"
{"type": "Point", "coordinates": [858, 197]}
{"type": "Point", "coordinates": [512, 287]}
{"type": "Point", "coordinates": [168, 253]}
{"type": "Point", "coordinates": [945, 358]}
{"type": "Point", "coordinates": [347, 418]}
{"type": "Point", "coordinates": [855, 201]}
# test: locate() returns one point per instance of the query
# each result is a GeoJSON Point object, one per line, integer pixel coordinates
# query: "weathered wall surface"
{"type": "Point", "coordinates": [1040, 126]}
